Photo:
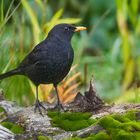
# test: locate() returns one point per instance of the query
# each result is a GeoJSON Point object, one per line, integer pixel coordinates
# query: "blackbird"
{"type": "Point", "coordinates": [49, 61]}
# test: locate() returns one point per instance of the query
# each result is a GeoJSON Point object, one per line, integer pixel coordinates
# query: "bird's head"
{"type": "Point", "coordinates": [65, 31]}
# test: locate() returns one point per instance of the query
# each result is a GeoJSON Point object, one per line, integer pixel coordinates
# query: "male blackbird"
{"type": "Point", "coordinates": [50, 60]}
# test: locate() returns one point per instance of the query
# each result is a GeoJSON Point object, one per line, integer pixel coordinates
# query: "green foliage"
{"type": "Point", "coordinates": [16, 129]}
{"type": "Point", "coordinates": [121, 126]}
{"type": "Point", "coordinates": [91, 121]}
{"type": "Point", "coordinates": [71, 125]}
{"type": "Point", "coordinates": [71, 116]}
{"type": "Point", "coordinates": [127, 117]}
{"type": "Point", "coordinates": [99, 136]}
{"type": "Point", "coordinates": [7, 124]}
{"type": "Point", "coordinates": [119, 121]}
{"type": "Point", "coordinates": [118, 127]}
{"type": "Point", "coordinates": [70, 121]}
{"type": "Point", "coordinates": [131, 126]}
{"type": "Point", "coordinates": [121, 135]}
{"type": "Point", "coordinates": [42, 138]}
{"type": "Point", "coordinates": [108, 122]}
{"type": "Point", "coordinates": [1, 109]}
{"type": "Point", "coordinates": [131, 114]}
{"type": "Point", "coordinates": [128, 11]}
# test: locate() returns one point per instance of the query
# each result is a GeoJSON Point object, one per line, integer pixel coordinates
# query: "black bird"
{"type": "Point", "coordinates": [50, 60]}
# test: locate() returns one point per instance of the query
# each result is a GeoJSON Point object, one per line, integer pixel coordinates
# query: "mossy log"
{"type": "Point", "coordinates": [86, 117]}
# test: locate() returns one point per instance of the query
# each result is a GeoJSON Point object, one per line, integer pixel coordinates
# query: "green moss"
{"type": "Point", "coordinates": [2, 109]}
{"type": "Point", "coordinates": [73, 125]}
{"type": "Point", "coordinates": [123, 135]}
{"type": "Point", "coordinates": [108, 122]}
{"type": "Point", "coordinates": [127, 117]}
{"type": "Point", "coordinates": [99, 136]}
{"type": "Point", "coordinates": [131, 126]}
{"type": "Point", "coordinates": [102, 135]}
{"type": "Point", "coordinates": [69, 125]}
{"type": "Point", "coordinates": [52, 114]}
{"type": "Point", "coordinates": [121, 126]}
{"type": "Point", "coordinates": [137, 136]}
{"type": "Point", "coordinates": [92, 121]}
{"type": "Point", "coordinates": [131, 114]}
{"type": "Point", "coordinates": [8, 125]}
{"type": "Point", "coordinates": [74, 138]}
{"type": "Point", "coordinates": [70, 115]}
{"type": "Point", "coordinates": [76, 116]}
{"type": "Point", "coordinates": [16, 129]}
{"type": "Point", "coordinates": [120, 118]}
{"type": "Point", "coordinates": [117, 126]}
{"type": "Point", "coordinates": [120, 121]}
{"type": "Point", "coordinates": [117, 134]}
{"type": "Point", "coordinates": [43, 138]}
{"type": "Point", "coordinates": [71, 121]}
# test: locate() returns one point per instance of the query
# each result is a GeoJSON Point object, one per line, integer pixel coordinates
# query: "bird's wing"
{"type": "Point", "coordinates": [35, 55]}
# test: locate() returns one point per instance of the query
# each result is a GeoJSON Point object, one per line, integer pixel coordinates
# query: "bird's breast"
{"type": "Point", "coordinates": [61, 64]}
{"type": "Point", "coordinates": [53, 65]}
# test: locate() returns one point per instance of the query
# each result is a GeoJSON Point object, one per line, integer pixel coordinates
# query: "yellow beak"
{"type": "Point", "coordinates": [80, 28]}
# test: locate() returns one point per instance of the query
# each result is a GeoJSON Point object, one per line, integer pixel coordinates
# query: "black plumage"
{"type": "Point", "coordinates": [50, 60]}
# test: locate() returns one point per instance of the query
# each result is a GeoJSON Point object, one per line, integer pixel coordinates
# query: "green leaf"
{"type": "Point", "coordinates": [1, 11]}
{"type": "Point", "coordinates": [34, 21]}
{"type": "Point", "coordinates": [135, 6]}
{"type": "Point", "coordinates": [57, 15]}
{"type": "Point", "coordinates": [69, 20]}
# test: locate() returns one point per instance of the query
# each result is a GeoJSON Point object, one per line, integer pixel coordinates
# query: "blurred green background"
{"type": "Point", "coordinates": [109, 50]}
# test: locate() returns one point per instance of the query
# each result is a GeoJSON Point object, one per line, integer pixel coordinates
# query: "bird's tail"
{"type": "Point", "coordinates": [10, 73]}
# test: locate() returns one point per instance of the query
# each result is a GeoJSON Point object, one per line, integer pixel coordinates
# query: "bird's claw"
{"type": "Point", "coordinates": [59, 107]}
{"type": "Point", "coordinates": [38, 107]}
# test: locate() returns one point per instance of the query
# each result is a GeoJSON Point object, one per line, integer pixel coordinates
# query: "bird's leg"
{"type": "Point", "coordinates": [59, 105]}
{"type": "Point", "coordinates": [38, 104]}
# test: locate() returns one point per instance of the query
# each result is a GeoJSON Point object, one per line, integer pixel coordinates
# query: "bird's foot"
{"type": "Point", "coordinates": [38, 107]}
{"type": "Point", "coordinates": [59, 107]}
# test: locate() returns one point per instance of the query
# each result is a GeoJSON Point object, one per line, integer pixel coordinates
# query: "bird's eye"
{"type": "Point", "coordinates": [66, 29]}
